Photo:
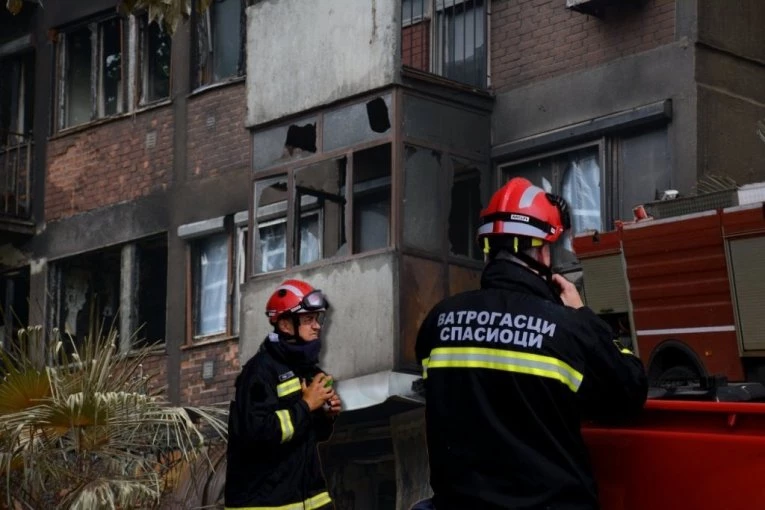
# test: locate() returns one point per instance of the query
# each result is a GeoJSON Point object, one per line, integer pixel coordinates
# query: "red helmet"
{"type": "Point", "coordinates": [294, 296]}
{"type": "Point", "coordinates": [520, 209]}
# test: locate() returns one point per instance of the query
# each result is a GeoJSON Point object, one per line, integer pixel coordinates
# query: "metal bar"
{"type": "Point", "coordinates": [15, 177]}
{"type": "Point", "coordinates": [475, 45]}
{"type": "Point", "coordinates": [27, 195]}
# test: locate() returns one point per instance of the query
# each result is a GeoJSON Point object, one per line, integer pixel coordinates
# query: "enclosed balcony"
{"type": "Point", "coordinates": [16, 154]}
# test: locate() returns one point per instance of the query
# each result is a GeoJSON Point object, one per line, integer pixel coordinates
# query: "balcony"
{"type": "Point", "coordinates": [446, 38]}
{"type": "Point", "coordinates": [15, 182]}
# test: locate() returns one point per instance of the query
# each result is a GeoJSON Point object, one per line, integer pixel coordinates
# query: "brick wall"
{"type": "Point", "coordinates": [538, 39]}
{"type": "Point", "coordinates": [155, 366]}
{"type": "Point", "coordinates": [415, 46]}
{"type": "Point", "coordinates": [106, 163]}
{"type": "Point", "coordinates": [220, 389]}
{"type": "Point", "coordinates": [217, 138]}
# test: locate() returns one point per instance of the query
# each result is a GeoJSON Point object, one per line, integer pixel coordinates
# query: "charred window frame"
{"type": "Point", "coordinates": [219, 41]}
{"type": "Point", "coordinates": [579, 174]}
{"type": "Point", "coordinates": [448, 38]}
{"type": "Point", "coordinates": [92, 71]}
{"type": "Point", "coordinates": [154, 50]}
{"type": "Point", "coordinates": [16, 97]}
{"type": "Point", "coordinates": [217, 263]}
{"type": "Point", "coordinates": [304, 210]}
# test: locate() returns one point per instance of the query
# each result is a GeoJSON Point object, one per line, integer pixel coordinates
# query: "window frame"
{"type": "Point", "coordinates": [142, 34]}
{"type": "Point", "coordinates": [204, 75]}
{"type": "Point", "coordinates": [19, 126]}
{"type": "Point", "coordinates": [234, 234]}
{"type": "Point", "coordinates": [97, 105]}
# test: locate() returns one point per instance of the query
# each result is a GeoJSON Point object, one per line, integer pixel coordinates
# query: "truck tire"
{"type": "Point", "coordinates": [678, 375]}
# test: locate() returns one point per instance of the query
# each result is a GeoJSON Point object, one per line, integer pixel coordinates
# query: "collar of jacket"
{"type": "Point", "coordinates": [507, 275]}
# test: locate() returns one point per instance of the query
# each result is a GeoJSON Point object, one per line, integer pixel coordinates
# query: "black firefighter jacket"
{"type": "Point", "coordinates": [509, 373]}
{"type": "Point", "coordinates": [272, 454]}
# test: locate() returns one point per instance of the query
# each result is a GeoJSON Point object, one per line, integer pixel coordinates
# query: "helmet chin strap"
{"type": "Point", "coordinates": [544, 271]}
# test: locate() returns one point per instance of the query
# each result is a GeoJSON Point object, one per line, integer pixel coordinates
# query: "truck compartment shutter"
{"type": "Point", "coordinates": [746, 269]}
{"type": "Point", "coordinates": [605, 287]}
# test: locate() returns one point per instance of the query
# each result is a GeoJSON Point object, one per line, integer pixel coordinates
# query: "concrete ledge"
{"type": "Point", "coordinates": [201, 228]}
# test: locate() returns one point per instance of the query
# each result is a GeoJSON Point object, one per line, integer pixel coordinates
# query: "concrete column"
{"type": "Point", "coordinates": [128, 296]}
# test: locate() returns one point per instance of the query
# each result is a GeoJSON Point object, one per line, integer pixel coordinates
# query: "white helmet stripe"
{"type": "Point", "coordinates": [292, 289]}
{"type": "Point", "coordinates": [513, 227]}
{"type": "Point", "coordinates": [529, 195]}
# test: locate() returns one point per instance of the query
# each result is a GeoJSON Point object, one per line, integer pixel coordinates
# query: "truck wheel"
{"type": "Point", "coordinates": [678, 375]}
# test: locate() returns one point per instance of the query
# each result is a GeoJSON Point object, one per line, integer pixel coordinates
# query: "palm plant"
{"type": "Point", "coordinates": [78, 429]}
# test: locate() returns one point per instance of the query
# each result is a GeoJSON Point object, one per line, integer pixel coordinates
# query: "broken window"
{"type": "Point", "coordinates": [210, 273]}
{"type": "Point", "coordinates": [156, 46]}
{"type": "Point", "coordinates": [423, 174]}
{"type": "Point", "coordinates": [271, 221]}
{"type": "Point", "coordinates": [284, 143]}
{"type": "Point", "coordinates": [89, 295]}
{"type": "Point", "coordinates": [357, 123]}
{"type": "Point", "coordinates": [467, 199]}
{"type": "Point", "coordinates": [92, 76]}
{"type": "Point", "coordinates": [321, 220]}
{"type": "Point", "coordinates": [16, 98]}
{"type": "Point", "coordinates": [151, 292]}
{"type": "Point", "coordinates": [577, 176]}
{"type": "Point", "coordinates": [452, 45]}
{"type": "Point", "coordinates": [220, 41]}
{"type": "Point", "coordinates": [371, 198]}
{"type": "Point", "coordinates": [240, 273]}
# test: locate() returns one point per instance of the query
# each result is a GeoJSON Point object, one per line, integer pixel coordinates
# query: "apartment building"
{"type": "Point", "coordinates": [164, 186]}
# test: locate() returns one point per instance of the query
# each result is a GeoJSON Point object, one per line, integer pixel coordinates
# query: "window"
{"type": "Point", "coordinates": [16, 98]}
{"type": "Point", "coordinates": [155, 61]}
{"type": "Point", "coordinates": [210, 276]}
{"type": "Point", "coordinates": [577, 176]}
{"type": "Point", "coordinates": [451, 44]}
{"type": "Point", "coordinates": [220, 41]}
{"type": "Point", "coordinates": [466, 204]}
{"type": "Point", "coordinates": [14, 306]}
{"type": "Point", "coordinates": [92, 84]}
{"type": "Point", "coordinates": [325, 224]}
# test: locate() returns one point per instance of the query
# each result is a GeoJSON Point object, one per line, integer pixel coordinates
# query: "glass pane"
{"type": "Point", "coordinates": [269, 243]}
{"type": "Point", "coordinates": [371, 198]}
{"type": "Point", "coordinates": [310, 248]}
{"type": "Point", "coordinates": [284, 143]}
{"type": "Point", "coordinates": [319, 190]}
{"type": "Point", "coordinates": [466, 205]}
{"type": "Point", "coordinates": [111, 66]}
{"type": "Point", "coordinates": [157, 60]}
{"type": "Point", "coordinates": [210, 285]}
{"type": "Point", "coordinates": [462, 38]}
{"type": "Point", "coordinates": [78, 65]}
{"type": "Point", "coordinates": [423, 220]}
{"type": "Point", "coordinates": [412, 9]}
{"type": "Point", "coordinates": [226, 32]}
{"type": "Point", "coordinates": [539, 172]}
{"type": "Point", "coordinates": [357, 123]}
{"type": "Point", "coordinates": [644, 167]}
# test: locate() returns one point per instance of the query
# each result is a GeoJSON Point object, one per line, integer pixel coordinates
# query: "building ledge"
{"type": "Point", "coordinates": [17, 226]}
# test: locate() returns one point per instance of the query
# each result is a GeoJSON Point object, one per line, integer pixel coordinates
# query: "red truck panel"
{"type": "Point", "coordinates": [682, 455]}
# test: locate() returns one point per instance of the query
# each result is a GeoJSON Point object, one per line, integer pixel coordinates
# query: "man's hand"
{"type": "Point", "coordinates": [568, 293]}
{"type": "Point", "coordinates": [334, 405]}
{"type": "Point", "coordinates": [316, 394]}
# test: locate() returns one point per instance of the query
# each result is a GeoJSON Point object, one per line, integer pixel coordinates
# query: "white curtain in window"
{"type": "Point", "coordinates": [581, 189]}
{"type": "Point", "coordinates": [213, 282]}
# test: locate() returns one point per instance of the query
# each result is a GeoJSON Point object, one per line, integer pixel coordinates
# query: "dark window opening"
{"type": "Point", "coordinates": [89, 296]}
{"type": "Point", "coordinates": [152, 292]}
{"type": "Point", "coordinates": [156, 62]}
{"type": "Point", "coordinates": [220, 41]}
{"type": "Point", "coordinates": [464, 212]}
{"type": "Point", "coordinates": [300, 138]}
{"type": "Point", "coordinates": [320, 204]}
{"type": "Point", "coordinates": [14, 306]}
{"type": "Point", "coordinates": [16, 98]}
{"type": "Point", "coordinates": [377, 112]}
{"type": "Point", "coordinates": [110, 84]}
{"type": "Point", "coordinates": [371, 198]}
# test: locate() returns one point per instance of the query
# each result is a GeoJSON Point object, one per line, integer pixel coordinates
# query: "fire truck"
{"type": "Point", "coordinates": [685, 286]}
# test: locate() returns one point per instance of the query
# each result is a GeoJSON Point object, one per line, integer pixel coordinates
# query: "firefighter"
{"type": "Point", "coordinates": [511, 368]}
{"type": "Point", "coordinates": [283, 407]}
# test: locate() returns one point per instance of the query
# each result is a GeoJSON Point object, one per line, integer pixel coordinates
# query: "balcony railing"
{"type": "Point", "coordinates": [15, 175]}
{"type": "Point", "coordinates": [446, 38]}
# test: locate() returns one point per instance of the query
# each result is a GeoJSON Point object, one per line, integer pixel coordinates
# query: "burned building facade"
{"type": "Point", "coordinates": [164, 185]}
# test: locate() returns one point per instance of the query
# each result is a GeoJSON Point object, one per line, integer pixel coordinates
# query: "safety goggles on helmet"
{"type": "Point", "coordinates": [314, 301]}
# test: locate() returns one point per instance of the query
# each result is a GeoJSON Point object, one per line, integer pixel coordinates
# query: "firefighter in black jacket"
{"type": "Point", "coordinates": [511, 368]}
{"type": "Point", "coordinates": [284, 405]}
